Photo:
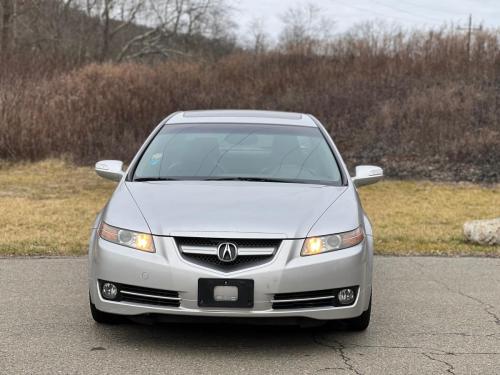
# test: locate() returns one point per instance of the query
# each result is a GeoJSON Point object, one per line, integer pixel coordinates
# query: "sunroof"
{"type": "Point", "coordinates": [245, 113]}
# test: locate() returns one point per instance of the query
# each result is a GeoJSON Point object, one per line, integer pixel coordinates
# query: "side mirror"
{"type": "Point", "coordinates": [367, 174]}
{"type": "Point", "coordinates": [110, 169]}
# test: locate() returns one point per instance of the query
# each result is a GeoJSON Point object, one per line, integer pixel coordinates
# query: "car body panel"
{"type": "Point", "coordinates": [232, 206]}
{"type": "Point", "coordinates": [287, 272]}
{"type": "Point", "coordinates": [345, 214]}
{"type": "Point", "coordinates": [122, 202]}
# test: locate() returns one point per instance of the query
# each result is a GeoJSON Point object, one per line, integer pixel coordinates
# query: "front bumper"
{"type": "Point", "coordinates": [287, 272]}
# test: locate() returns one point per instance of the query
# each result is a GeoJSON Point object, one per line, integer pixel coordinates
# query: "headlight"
{"type": "Point", "coordinates": [318, 245]}
{"type": "Point", "coordinates": [139, 241]}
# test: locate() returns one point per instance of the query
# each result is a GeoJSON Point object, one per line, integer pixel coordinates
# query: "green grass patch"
{"type": "Point", "coordinates": [47, 208]}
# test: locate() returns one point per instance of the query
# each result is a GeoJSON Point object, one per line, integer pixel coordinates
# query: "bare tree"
{"type": "Point", "coordinates": [258, 39]}
{"type": "Point", "coordinates": [85, 30]}
{"type": "Point", "coordinates": [172, 21]}
{"type": "Point", "coordinates": [54, 27]}
{"type": "Point", "coordinates": [115, 15]}
{"type": "Point", "coordinates": [305, 30]}
{"type": "Point", "coordinates": [7, 29]}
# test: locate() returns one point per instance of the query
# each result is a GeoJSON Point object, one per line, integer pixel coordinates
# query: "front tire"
{"type": "Point", "coordinates": [103, 317]}
{"type": "Point", "coordinates": [361, 322]}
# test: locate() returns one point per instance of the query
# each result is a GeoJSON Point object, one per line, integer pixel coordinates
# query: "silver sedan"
{"type": "Point", "coordinates": [234, 215]}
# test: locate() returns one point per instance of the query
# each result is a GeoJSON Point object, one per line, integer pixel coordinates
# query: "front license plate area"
{"type": "Point", "coordinates": [225, 293]}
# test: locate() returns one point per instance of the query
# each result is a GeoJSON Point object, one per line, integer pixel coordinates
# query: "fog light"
{"type": "Point", "coordinates": [346, 296]}
{"type": "Point", "coordinates": [109, 291]}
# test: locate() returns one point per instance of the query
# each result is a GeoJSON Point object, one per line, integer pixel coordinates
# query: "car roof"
{"type": "Point", "coordinates": [242, 117]}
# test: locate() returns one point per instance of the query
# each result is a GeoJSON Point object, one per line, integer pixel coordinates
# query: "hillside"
{"type": "Point", "coordinates": [421, 104]}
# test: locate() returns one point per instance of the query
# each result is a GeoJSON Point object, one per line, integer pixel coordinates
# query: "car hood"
{"type": "Point", "coordinates": [232, 208]}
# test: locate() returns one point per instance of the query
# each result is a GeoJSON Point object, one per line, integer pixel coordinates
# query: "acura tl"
{"type": "Point", "coordinates": [234, 214]}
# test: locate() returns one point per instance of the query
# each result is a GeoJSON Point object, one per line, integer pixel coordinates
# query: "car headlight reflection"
{"type": "Point", "coordinates": [318, 245]}
{"type": "Point", "coordinates": [135, 240]}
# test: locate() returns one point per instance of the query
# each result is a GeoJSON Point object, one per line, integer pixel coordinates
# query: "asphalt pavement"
{"type": "Point", "coordinates": [430, 316]}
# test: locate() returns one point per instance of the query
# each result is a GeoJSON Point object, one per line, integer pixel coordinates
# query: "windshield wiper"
{"type": "Point", "coordinates": [145, 179]}
{"type": "Point", "coordinates": [257, 179]}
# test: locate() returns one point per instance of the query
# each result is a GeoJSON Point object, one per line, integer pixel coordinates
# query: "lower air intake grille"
{"type": "Point", "coordinates": [303, 300]}
{"type": "Point", "coordinates": [146, 296]}
{"type": "Point", "coordinates": [240, 262]}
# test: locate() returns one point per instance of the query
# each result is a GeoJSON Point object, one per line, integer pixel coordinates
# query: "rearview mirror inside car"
{"type": "Point", "coordinates": [110, 169]}
{"type": "Point", "coordinates": [367, 174]}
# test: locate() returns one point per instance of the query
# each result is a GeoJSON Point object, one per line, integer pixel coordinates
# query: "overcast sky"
{"type": "Point", "coordinates": [346, 13]}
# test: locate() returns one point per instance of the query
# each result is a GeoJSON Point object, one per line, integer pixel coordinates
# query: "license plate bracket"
{"type": "Point", "coordinates": [207, 288]}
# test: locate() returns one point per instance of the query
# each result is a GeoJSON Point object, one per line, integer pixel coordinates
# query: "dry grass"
{"type": "Point", "coordinates": [47, 208]}
{"type": "Point", "coordinates": [412, 217]}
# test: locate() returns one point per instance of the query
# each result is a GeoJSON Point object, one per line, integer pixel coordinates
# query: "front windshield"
{"type": "Point", "coordinates": [239, 151]}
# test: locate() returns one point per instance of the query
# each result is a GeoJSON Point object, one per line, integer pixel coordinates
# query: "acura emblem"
{"type": "Point", "coordinates": [227, 252]}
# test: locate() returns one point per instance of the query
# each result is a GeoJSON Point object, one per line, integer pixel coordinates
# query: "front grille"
{"type": "Point", "coordinates": [309, 299]}
{"type": "Point", "coordinates": [203, 252]}
{"type": "Point", "coordinates": [146, 296]}
{"type": "Point", "coordinates": [240, 242]}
